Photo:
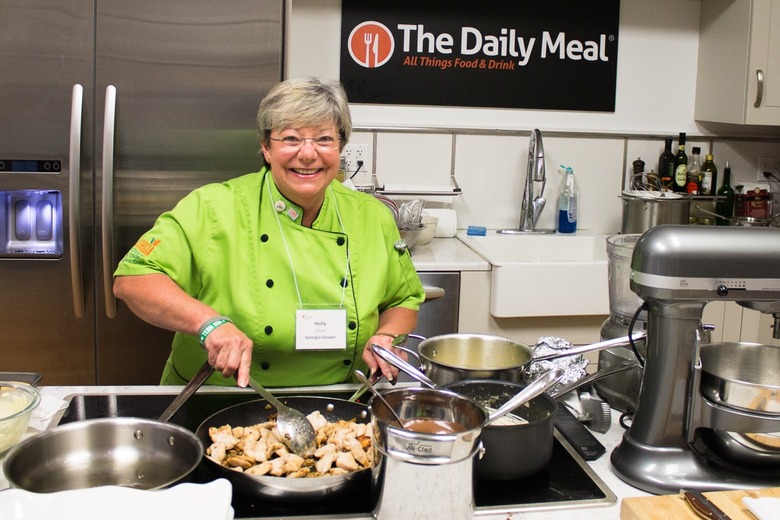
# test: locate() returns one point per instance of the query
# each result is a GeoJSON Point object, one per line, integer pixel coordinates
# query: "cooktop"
{"type": "Point", "coordinates": [566, 482]}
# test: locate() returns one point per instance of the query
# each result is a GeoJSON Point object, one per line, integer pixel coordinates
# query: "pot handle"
{"type": "Point", "coordinates": [595, 376]}
{"type": "Point", "coordinates": [402, 365]}
{"type": "Point", "coordinates": [534, 389]}
{"type": "Point", "coordinates": [622, 341]}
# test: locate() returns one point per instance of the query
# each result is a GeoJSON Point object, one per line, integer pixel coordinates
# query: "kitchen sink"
{"type": "Point", "coordinates": [545, 274]}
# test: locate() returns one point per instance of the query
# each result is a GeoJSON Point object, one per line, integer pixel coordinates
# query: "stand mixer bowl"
{"type": "Point", "coordinates": [742, 376]}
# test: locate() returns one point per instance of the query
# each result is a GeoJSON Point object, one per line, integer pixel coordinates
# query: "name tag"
{"type": "Point", "coordinates": [321, 329]}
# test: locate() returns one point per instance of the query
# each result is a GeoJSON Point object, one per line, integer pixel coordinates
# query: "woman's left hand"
{"type": "Point", "coordinates": [378, 365]}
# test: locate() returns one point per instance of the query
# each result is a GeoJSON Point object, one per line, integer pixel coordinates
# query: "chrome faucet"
{"type": "Point", "coordinates": [533, 204]}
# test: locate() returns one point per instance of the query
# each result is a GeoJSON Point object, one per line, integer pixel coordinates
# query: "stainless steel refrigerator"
{"type": "Point", "coordinates": [110, 112]}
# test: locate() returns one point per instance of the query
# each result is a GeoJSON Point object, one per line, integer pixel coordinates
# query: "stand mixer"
{"type": "Point", "coordinates": [677, 270]}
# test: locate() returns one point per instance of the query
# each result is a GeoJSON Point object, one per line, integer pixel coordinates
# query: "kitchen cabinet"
{"type": "Point", "coordinates": [738, 77]}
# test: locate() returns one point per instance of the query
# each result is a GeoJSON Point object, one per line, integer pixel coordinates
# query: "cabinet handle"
{"type": "Point", "coordinates": [433, 293]}
{"type": "Point", "coordinates": [759, 87]}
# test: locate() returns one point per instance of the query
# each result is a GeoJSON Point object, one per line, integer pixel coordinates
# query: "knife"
{"type": "Point", "coordinates": [703, 506]}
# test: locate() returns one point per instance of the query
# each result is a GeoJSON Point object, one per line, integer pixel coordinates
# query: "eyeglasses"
{"type": "Point", "coordinates": [323, 142]}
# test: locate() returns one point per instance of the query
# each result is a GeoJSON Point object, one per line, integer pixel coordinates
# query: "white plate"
{"type": "Point", "coordinates": [186, 501]}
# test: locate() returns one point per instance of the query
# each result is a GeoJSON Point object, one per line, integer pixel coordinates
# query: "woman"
{"type": "Point", "coordinates": [283, 274]}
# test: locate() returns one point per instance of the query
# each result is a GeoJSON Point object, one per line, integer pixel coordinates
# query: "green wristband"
{"type": "Point", "coordinates": [209, 326]}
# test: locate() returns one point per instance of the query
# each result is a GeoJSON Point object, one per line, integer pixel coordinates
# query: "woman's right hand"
{"type": "Point", "coordinates": [230, 352]}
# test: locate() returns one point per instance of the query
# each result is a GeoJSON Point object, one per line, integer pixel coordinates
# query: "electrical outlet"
{"type": "Point", "coordinates": [768, 164]}
{"type": "Point", "coordinates": [353, 153]}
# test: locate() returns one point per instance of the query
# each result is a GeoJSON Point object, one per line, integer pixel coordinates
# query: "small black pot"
{"type": "Point", "coordinates": [511, 451]}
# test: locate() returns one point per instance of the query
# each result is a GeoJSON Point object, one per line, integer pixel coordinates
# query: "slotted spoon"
{"type": "Point", "coordinates": [297, 432]}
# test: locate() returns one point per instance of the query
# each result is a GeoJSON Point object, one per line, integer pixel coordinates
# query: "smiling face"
{"type": "Point", "coordinates": [303, 172]}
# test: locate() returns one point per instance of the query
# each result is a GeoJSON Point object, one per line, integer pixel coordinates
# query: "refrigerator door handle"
{"type": "Point", "coordinates": [107, 211]}
{"type": "Point", "coordinates": [74, 200]}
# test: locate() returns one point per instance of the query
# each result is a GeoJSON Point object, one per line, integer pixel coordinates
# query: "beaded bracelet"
{"type": "Point", "coordinates": [209, 326]}
{"type": "Point", "coordinates": [389, 334]}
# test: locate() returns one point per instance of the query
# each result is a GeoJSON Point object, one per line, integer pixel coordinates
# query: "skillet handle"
{"type": "Point", "coordinates": [196, 382]}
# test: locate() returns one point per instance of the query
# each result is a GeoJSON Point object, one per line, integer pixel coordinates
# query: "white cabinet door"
{"type": "Point", "coordinates": [739, 62]}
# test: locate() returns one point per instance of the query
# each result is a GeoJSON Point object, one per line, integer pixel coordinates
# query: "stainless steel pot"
{"type": "Point", "coordinates": [454, 357]}
{"type": "Point", "coordinates": [425, 475]}
{"type": "Point", "coordinates": [119, 451]}
{"type": "Point", "coordinates": [512, 451]}
{"type": "Point", "coordinates": [643, 210]}
{"type": "Point", "coordinates": [280, 490]}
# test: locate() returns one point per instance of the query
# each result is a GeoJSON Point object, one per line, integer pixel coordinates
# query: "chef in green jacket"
{"type": "Point", "coordinates": [284, 274]}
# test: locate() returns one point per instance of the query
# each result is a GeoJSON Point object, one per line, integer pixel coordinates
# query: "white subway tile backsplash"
{"type": "Point", "coordinates": [490, 169]}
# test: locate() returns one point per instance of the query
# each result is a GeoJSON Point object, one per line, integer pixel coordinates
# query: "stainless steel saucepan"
{"type": "Point", "coordinates": [454, 357]}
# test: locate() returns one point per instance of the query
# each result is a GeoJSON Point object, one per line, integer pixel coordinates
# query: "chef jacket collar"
{"type": "Point", "coordinates": [290, 209]}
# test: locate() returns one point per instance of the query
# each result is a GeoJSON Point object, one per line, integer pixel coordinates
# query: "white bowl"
{"type": "Point", "coordinates": [427, 233]}
{"type": "Point", "coordinates": [17, 401]}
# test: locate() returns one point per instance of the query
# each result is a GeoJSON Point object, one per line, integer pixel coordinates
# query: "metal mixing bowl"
{"type": "Point", "coordinates": [742, 375]}
{"type": "Point", "coordinates": [17, 402]}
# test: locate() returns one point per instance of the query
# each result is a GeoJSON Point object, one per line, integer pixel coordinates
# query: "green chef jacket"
{"type": "Point", "coordinates": [239, 247]}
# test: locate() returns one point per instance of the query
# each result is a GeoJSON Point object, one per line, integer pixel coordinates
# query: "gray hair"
{"type": "Point", "coordinates": [304, 102]}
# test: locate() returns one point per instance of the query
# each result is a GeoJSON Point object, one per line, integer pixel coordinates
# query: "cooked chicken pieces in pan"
{"type": "Point", "coordinates": [343, 447]}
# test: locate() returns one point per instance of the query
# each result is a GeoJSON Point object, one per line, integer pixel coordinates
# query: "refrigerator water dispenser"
{"type": "Point", "coordinates": [30, 224]}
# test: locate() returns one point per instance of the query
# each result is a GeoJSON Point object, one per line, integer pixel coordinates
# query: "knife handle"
{"type": "Point", "coordinates": [702, 506]}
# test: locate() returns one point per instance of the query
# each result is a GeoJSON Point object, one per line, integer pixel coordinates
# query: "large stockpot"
{"type": "Point", "coordinates": [119, 451]}
{"type": "Point", "coordinates": [425, 475]}
{"type": "Point", "coordinates": [512, 451]}
{"type": "Point", "coordinates": [281, 490]}
{"type": "Point", "coordinates": [454, 357]}
{"type": "Point", "coordinates": [643, 210]}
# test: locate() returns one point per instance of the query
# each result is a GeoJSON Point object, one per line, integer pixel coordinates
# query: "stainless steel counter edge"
{"type": "Point", "coordinates": [600, 467]}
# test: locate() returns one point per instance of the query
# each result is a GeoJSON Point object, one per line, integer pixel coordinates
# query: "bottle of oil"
{"type": "Point", "coordinates": [709, 176]}
{"type": "Point", "coordinates": [681, 166]}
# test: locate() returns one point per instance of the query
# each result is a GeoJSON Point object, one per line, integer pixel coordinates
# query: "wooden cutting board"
{"type": "Point", "coordinates": [672, 507]}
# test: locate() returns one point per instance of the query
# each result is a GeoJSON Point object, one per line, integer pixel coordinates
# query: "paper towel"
{"type": "Point", "coordinates": [448, 222]}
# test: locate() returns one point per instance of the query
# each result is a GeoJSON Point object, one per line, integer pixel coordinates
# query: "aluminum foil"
{"type": "Point", "coordinates": [574, 367]}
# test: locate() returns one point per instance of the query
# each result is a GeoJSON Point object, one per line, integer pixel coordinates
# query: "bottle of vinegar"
{"type": "Point", "coordinates": [694, 172]}
{"type": "Point", "coordinates": [681, 166]}
{"type": "Point", "coordinates": [666, 165]}
{"type": "Point", "coordinates": [725, 208]}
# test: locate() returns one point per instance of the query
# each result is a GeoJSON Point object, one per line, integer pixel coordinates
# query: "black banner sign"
{"type": "Point", "coordinates": [540, 54]}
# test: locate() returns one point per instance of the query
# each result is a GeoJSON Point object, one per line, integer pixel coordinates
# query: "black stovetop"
{"type": "Point", "coordinates": [567, 480]}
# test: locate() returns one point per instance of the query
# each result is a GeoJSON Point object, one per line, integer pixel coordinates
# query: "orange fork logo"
{"type": "Point", "coordinates": [145, 247]}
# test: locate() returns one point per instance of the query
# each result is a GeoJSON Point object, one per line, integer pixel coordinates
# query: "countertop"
{"type": "Point", "coordinates": [53, 397]}
{"type": "Point", "coordinates": [447, 254]}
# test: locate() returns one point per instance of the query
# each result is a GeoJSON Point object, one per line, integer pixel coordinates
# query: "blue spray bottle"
{"type": "Point", "coordinates": [567, 203]}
